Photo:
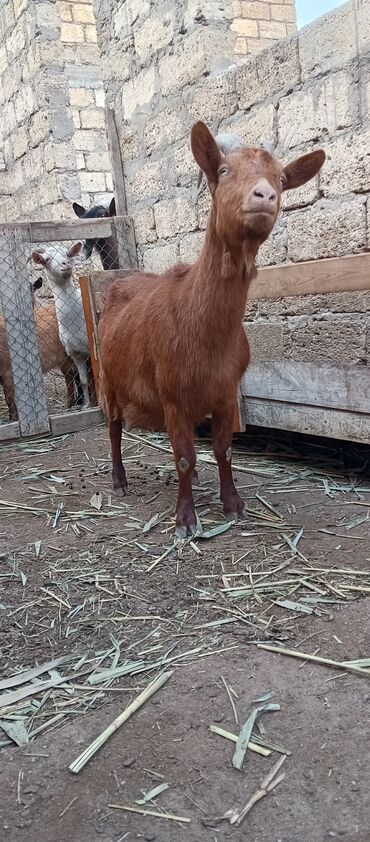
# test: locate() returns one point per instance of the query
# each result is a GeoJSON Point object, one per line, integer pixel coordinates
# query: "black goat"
{"type": "Point", "coordinates": [106, 247]}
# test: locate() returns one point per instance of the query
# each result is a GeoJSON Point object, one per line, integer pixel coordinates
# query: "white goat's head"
{"type": "Point", "coordinates": [57, 261]}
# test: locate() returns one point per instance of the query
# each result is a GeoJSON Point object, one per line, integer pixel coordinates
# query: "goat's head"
{"type": "Point", "coordinates": [95, 212]}
{"type": "Point", "coordinates": [246, 183]}
{"type": "Point", "coordinates": [58, 261]}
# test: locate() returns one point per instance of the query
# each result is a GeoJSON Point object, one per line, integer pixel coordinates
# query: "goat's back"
{"type": "Point", "coordinates": [52, 352]}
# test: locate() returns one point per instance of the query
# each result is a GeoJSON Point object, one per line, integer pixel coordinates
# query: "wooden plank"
{"type": "Point", "coordinates": [340, 387]}
{"type": "Point", "coordinates": [114, 150]}
{"type": "Point", "coordinates": [91, 327]}
{"type": "Point", "coordinates": [9, 431]}
{"type": "Point", "coordinates": [100, 283]}
{"type": "Point", "coordinates": [315, 277]}
{"type": "Point", "coordinates": [73, 422]}
{"type": "Point", "coordinates": [19, 319]}
{"type": "Point", "coordinates": [82, 229]}
{"type": "Point", "coordinates": [124, 236]}
{"type": "Point", "coordinates": [239, 422]}
{"type": "Point", "coordinates": [338, 274]}
{"type": "Point", "coordinates": [312, 420]}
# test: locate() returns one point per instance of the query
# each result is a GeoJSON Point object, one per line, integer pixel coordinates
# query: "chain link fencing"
{"type": "Point", "coordinates": [48, 370]}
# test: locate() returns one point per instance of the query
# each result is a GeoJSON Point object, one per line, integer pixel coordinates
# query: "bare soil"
{"type": "Point", "coordinates": [72, 578]}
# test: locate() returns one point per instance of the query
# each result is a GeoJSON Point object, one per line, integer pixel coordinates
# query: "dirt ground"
{"type": "Point", "coordinates": [100, 582]}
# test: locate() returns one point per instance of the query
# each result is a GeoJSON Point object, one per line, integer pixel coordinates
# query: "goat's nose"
{"type": "Point", "coordinates": [264, 191]}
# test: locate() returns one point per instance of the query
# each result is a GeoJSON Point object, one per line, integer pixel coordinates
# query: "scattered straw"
{"type": "Point", "coordinates": [91, 750]}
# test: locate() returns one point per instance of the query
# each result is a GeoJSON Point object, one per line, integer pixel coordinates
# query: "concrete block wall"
{"type": "Point", "coordinates": [258, 23]}
{"type": "Point", "coordinates": [306, 91]}
{"type": "Point", "coordinates": [53, 147]}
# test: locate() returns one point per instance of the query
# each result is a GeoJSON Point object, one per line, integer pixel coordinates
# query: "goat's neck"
{"type": "Point", "coordinates": [220, 282]}
{"type": "Point", "coordinates": [63, 290]}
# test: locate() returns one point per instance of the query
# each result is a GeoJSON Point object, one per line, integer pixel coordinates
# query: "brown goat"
{"type": "Point", "coordinates": [52, 355]}
{"type": "Point", "coordinates": [173, 347]}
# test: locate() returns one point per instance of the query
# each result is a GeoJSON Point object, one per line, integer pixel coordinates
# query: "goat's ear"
{"type": "Point", "coordinates": [39, 257]}
{"type": "Point", "coordinates": [78, 209]}
{"type": "Point", "coordinates": [303, 169]}
{"type": "Point", "coordinates": [74, 250]}
{"type": "Point", "coordinates": [37, 284]}
{"type": "Point", "coordinates": [112, 207]}
{"type": "Point", "coordinates": [206, 153]}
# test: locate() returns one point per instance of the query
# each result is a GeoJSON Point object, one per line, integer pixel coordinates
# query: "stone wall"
{"type": "Point", "coordinates": [164, 69]}
{"type": "Point", "coordinates": [53, 146]}
{"type": "Point", "coordinates": [258, 23]}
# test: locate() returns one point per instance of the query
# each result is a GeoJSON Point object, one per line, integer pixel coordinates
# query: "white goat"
{"type": "Point", "coordinates": [58, 263]}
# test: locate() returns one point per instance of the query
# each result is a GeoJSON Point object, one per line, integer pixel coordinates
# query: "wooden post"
{"type": "Point", "coordinates": [125, 241]}
{"type": "Point", "coordinates": [124, 229]}
{"type": "Point", "coordinates": [116, 162]}
{"type": "Point", "coordinates": [19, 319]}
{"type": "Point", "coordinates": [91, 327]}
{"type": "Point", "coordinates": [239, 422]}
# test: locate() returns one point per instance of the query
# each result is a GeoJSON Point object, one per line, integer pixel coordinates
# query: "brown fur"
{"type": "Point", "coordinates": [173, 346]}
{"type": "Point", "coordinates": [52, 355]}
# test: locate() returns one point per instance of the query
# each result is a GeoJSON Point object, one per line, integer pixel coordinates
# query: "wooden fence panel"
{"type": "Point", "coordinates": [331, 386]}
{"type": "Point", "coordinates": [18, 315]}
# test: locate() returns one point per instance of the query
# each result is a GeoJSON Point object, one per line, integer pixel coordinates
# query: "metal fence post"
{"type": "Point", "coordinates": [19, 320]}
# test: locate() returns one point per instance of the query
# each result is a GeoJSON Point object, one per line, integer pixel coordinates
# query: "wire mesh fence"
{"type": "Point", "coordinates": [45, 364]}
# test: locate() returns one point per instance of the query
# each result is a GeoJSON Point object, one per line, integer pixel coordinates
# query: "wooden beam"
{"type": "Point", "coordinates": [116, 161]}
{"type": "Point", "coordinates": [100, 283]}
{"type": "Point", "coordinates": [9, 431]}
{"type": "Point", "coordinates": [82, 229]}
{"type": "Point", "coordinates": [339, 387]}
{"type": "Point", "coordinates": [91, 327]}
{"type": "Point", "coordinates": [125, 241]}
{"type": "Point", "coordinates": [315, 277]}
{"type": "Point", "coordinates": [74, 422]}
{"type": "Point", "coordinates": [19, 320]}
{"type": "Point", "coordinates": [312, 420]}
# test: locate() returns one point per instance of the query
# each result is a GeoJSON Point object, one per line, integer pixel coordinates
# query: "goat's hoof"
{"type": "Point", "coordinates": [233, 517]}
{"type": "Point", "coordinates": [120, 490]}
{"type": "Point", "coordinates": [184, 532]}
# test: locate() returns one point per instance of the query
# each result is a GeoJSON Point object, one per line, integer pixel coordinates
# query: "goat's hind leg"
{"type": "Point", "coordinates": [118, 472]}
{"type": "Point", "coordinates": [222, 447]}
{"type": "Point", "coordinates": [181, 436]}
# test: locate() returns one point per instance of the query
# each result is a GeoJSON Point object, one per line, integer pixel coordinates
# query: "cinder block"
{"type": "Point", "coordinates": [71, 33]}
{"type": "Point", "coordinates": [266, 341]}
{"type": "Point", "coordinates": [328, 229]}
{"type": "Point", "coordinates": [173, 216]}
{"type": "Point", "coordinates": [154, 34]}
{"type": "Point", "coordinates": [161, 257]}
{"type": "Point", "coordinates": [213, 100]}
{"type": "Point", "coordinates": [329, 43]}
{"type": "Point", "coordinates": [269, 72]}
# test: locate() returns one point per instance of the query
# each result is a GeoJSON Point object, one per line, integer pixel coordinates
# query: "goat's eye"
{"type": "Point", "coordinates": [282, 180]}
{"type": "Point", "coordinates": [223, 171]}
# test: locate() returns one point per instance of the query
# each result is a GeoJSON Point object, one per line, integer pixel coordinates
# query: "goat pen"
{"type": "Point", "coordinates": [30, 346]}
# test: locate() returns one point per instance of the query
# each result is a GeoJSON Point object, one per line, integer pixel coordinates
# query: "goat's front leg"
{"type": "Point", "coordinates": [181, 437]}
{"type": "Point", "coordinates": [80, 363]}
{"type": "Point", "coordinates": [222, 448]}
